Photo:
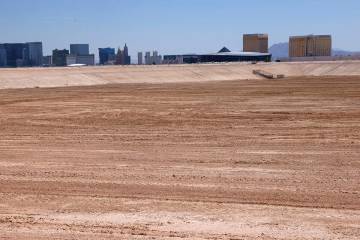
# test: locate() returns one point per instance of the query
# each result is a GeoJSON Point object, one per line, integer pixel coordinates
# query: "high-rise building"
{"type": "Point", "coordinates": [3, 58]}
{"type": "Point", "coordinates": [34, 54]}
{"type": "Point", "coordinates": [79, 49]}
{"type": "Point", "coordinates": [127, 58]}
{"type": "Point", "coordinates": [122, 56]}
{"type": "Point", "coordinates": [148, 58]}
{"type": "Point", "coordinates": [155, 59]}
{"type": "Point", "coordinates": [47, 61]}
{"type": "Point", "coordinates": [126, 51]}
{"type": "Point", "coordinates": [256, 43]}
{"type": "Point", "coordinates": [119, 57]}
{"type": "Point", "coordinates": [106, 55]}
{"type": "Point", "coordinates": [310, 46]}
{"type": "Point", "coordinates": [140, 58]}
{"type": "Point", "coordinates": [59, 57]}
{"type": "Point", "coordinates": [22, 54]}
{"type": "Point", "coordinates": [80, 54]}
{"type": "Point", "coordinates": [15, 54]}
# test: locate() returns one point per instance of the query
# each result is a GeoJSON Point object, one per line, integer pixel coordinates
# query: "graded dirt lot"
{"type": "Point", "coordinates": [247, 159]}
{"type": "Point", "coordinates": [99, 75]}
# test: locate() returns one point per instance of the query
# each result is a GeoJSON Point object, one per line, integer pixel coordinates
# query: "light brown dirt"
{"type": "Point", "coordinates": [88, 76]}
{"type": "Point", "coordinates": [253, 159]}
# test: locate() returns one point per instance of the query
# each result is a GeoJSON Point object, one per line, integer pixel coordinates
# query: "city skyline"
{"type": "Point", "coordinates": [175, 27]}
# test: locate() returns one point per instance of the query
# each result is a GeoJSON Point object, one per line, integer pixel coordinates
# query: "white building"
{"type": "Point", "coordinates": [88, 60]}
{"type": "Point", "coordinates": [70, 60]}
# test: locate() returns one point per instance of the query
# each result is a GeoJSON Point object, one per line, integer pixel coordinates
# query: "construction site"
{"type": "Point", "coordinates": [233, 151]}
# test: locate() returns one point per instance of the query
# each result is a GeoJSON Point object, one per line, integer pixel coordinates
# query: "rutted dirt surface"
{"type": "Point", "coordinates": [253, 159]}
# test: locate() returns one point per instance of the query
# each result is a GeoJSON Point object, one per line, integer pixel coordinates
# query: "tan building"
{"type": "Point", "coordinates": [256, 43]}
{"type": "Point", "coordinates": [310, 46]}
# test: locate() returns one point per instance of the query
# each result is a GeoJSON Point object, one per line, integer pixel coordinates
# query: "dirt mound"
{"type": "Point", "coordinates": [58, 77]}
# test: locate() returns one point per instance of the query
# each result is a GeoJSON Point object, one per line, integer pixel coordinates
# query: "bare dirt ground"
{"type": "Point", "coordinates": [250, 159]}
{"type": "Point", "coordinates": [102, 75]}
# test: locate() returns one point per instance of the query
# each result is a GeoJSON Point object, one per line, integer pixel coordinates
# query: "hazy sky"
{"type": "Point", "coordinates": [175, 26]}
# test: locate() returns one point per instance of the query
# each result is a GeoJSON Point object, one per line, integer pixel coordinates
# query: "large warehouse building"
{"type": "Point", "coordinates": [256, 43]}
{"type": "Point", "coordinates": [224, 55]}
{"type": "Point", "coordinates": [310, 46]}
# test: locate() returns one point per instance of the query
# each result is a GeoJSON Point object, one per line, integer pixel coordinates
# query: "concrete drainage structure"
{"type": "Point", "coordinates": [267, 75]}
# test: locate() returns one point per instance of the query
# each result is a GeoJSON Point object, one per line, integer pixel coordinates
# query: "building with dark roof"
{"type": "Point", "coordinates": [79, 49]}
{"type": "Point", "coordinates": [224, 55]}
{"type": "Point", "coordinates": [224, 50]}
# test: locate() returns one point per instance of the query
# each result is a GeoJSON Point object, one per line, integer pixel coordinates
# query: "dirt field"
{"type": "Point", "coordinates": [100, 75]}
{"type": "Point", "coordinates": [250, 159]}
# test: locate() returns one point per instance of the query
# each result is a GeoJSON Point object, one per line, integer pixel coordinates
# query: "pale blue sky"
{"type": "Point", "coordinates": [175, 26]}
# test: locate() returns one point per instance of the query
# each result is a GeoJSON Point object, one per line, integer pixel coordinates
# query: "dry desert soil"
{"type": "Point", "coordinates": [247, 159]}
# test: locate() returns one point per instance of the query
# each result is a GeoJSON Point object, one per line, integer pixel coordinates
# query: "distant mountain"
{"type": "Point", "coordinates": [281, 50]}
{"type": "Point", "coordinates": [339, 52]}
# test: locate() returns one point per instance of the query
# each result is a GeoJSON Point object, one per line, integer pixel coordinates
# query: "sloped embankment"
{"type": "Point", "coordinates": [85, 76]}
